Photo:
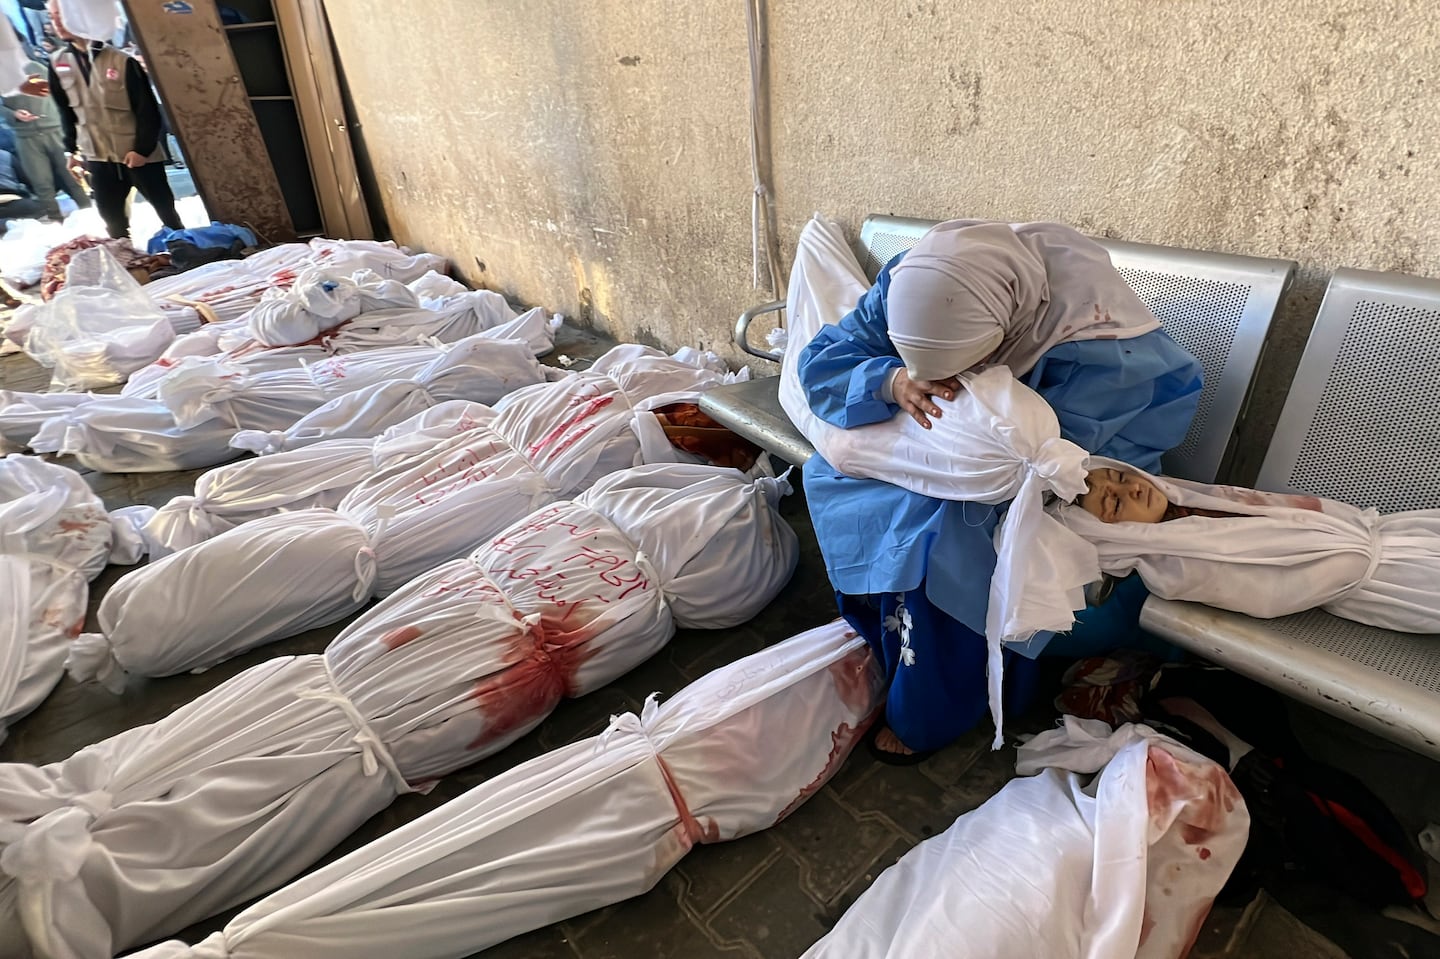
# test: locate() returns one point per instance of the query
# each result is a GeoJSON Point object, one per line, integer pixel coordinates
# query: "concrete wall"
{"type": "Point", "coordinates": [594, 157]}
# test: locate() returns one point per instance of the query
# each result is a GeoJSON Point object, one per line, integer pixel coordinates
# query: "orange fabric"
{"type": "Point", "coordinates": [690, 429]}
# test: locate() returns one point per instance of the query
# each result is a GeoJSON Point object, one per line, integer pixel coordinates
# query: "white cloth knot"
{"type": "Point", "coordinates": [648, 570]}
{"type": "Point", "coordinates": [631, 723]}
{"type": "Point", "coordinates": [367, 567]}
{"type": "Point", "coordinates": [92, 659]}
{"type": "Point", "coordinates": [1062, 464]}
{"type": "Point", "coordinates": [374, 754]}
{"type": "Point", "coordinates": [367, 560]}
{"type": "Point", "coordinates": [775, 488]}
{"type": "Point", "coordinates": [53, 847]}
{"type": "Point", "coordinates": [1371, 519]}
{"type": "Point", "coordinates": [639, 727]}
{"type": "Point", "coordinates": [260, 442]}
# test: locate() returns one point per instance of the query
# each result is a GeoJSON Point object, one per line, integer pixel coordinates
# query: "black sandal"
{"type": "Point", "coordinates": [893, 759]}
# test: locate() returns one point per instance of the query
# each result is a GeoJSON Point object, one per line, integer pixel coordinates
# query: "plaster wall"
{"type": "Point", "coordinates": [594, 157]}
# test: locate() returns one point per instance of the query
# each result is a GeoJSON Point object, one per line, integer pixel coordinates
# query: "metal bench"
{"type": "Point", "coordinates": [1361, 423]}
{"type": "Point", "coordinates": [1217, 306]}
{"type": "Point", "coordinates": [753, 409]}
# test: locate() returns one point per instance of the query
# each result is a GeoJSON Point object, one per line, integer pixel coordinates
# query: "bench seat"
{"type": "Point", "coordinates": [1386, 682]}
{"type": "Point", "coordinates": [752, 409]}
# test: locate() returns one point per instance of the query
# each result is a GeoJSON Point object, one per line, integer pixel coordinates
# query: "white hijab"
{"type": "Point", "coordinates": [973, 292]}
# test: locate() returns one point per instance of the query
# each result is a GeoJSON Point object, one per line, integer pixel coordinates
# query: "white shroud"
{"type": "Point", "coordinates": [583, 826]}
{"type": "Point", "coordinates": [283, 574]}
{"type": "Point", "coordinates": [55, 536]}
{"type": "Point", "coordinates": [1279, 554]}
{"type": "Point", "coordinates": [1063, 864]}
{"type": "Point", "coordinates": [261, 776]}
{"type": "Point", "coordinates": [316, 474]}
{"type": "Point", "coordinates": [203, 402]}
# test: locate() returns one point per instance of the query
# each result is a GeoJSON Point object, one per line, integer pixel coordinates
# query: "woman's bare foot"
{"type": "Point", "coordinates": [887, 747]}
{"type": "Point", "coordinates": [887, 742]}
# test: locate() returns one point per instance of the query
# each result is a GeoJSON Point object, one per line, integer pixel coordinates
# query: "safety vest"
{"type": "Point", "coordinates": [105, 128]}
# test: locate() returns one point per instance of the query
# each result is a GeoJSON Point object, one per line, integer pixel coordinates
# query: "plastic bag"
{"type": "Point", "coordinates": [100, 328]}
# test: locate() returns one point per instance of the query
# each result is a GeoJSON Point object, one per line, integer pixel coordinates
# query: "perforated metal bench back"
{"type": "Point", "coordinates": [1361, 422]}
{"type": "Point", "coordinates": [1217, 306]}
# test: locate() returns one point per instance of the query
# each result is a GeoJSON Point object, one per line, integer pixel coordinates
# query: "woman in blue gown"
{"type": "Point", "coordinates": [912, 573]}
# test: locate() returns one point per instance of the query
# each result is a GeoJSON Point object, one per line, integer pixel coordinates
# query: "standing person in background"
{"type": "Point", "coordinates": [15, 200]}
{"type": "Point", "coordinates": [111, 121]}
{"type": "Point", "coordinates": [40, 147]}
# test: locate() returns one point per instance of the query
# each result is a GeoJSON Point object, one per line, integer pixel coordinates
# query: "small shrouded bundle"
{"type": "Point", "coordinates": [1114, 845]}
{"type": "Point", "coordinates": [321, 299]}
{"type": "Point", "coordinates": [203, 403]}
{"type": "Point", "coordinates": [103, 328]}
{"type": "Point", "coordinates": [583, 826]}
{"type": "Point", "coordinates": [100, 328]}
{"type": "Point", "coordinates": [318, 474]}
{"type": "Point", "coordinates": [22, 414]}
{"type": "Point", "coordinates": [282, 574]}
{"type": "Point", "coordinates": [1273, 554]}
{"type": "Point", "coordinates": [55, 536]}
{"type": "Point", "coordinates": [446, 311]}
{"type": "Point", "coordinates": [259, 777]}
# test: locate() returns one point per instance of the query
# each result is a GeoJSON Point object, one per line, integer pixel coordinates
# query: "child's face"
{"type": "Point", "coordinates": [1116, 496]}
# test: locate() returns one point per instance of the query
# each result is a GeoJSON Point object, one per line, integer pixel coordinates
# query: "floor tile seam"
{"type": "Point", "coordinates": [742, 884]}
{"type": "Point", "coordinates": [949, 783]}
{"type": "Point", "coordinates": [701, 922]}
{"type": "Point", "coordinates": [875, 815]}
{"type": "Point", "coordinates": [806, 875]}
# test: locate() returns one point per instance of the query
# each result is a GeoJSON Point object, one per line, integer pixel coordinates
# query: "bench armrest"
{"type": "Point", "coordinates": [742, 329]}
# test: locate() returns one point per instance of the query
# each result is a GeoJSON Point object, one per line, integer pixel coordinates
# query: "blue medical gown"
{"type": "Point", "coordinates": [889, 551]}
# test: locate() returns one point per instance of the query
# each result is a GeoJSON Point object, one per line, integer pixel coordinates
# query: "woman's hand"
{"type": "Point", "coordinates": [914, 395]}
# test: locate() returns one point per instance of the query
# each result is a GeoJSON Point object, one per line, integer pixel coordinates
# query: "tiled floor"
{"type": "Point", "coordinates": [768, 896]}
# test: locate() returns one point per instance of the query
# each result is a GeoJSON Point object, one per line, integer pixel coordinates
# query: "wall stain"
{"type": "Point", "coordinates": [965, 95]}
{"type": "Point", "coordinates": [647, 337]}
{"type": "Point", "coordinates": [587, 308]}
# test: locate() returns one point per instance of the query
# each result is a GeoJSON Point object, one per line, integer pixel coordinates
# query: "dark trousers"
{"type": "Point", "coordinates": [42, 158]}
{"type": "Point", "coordinates": [111, 183]}
{"type": "Point", "coordinates": [935, 667]}
{"type": "Point", "coordinates": [24, 208]}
